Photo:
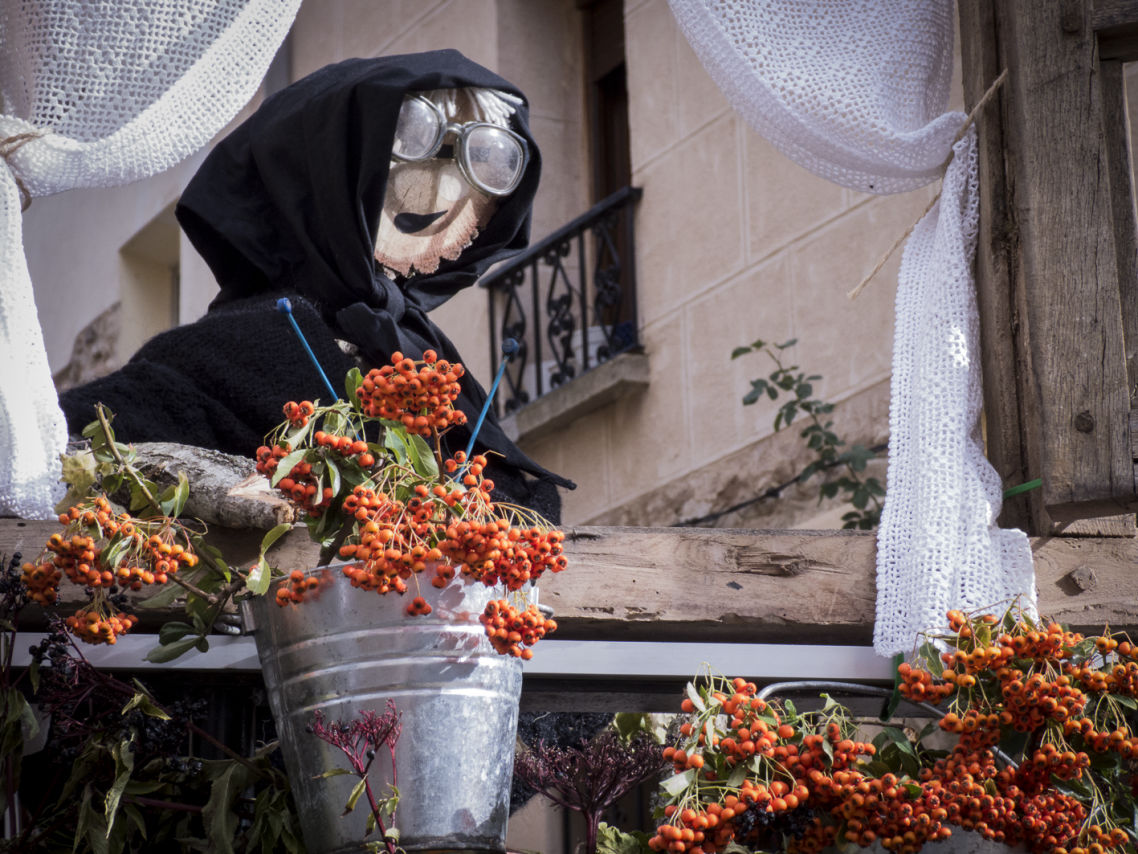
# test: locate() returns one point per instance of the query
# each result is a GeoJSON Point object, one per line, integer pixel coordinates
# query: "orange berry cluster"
{"type": "Point", "coordinates": [300, 485]}
{"type": "Point", "coordinates": [512, 630]}
{"type": "Point", "coordinates": [402, 519]}
{"type": "Point", "coordinates": [787, 768]}
{"type": "Point", "coordinates": [346, 447]}
{"type": "Point", "coordinates": [301, 586]}
{"type": "Point", "coordinates": [100, 549]}
{"type": "Point", "coordinates": [1058, 689]}
{"type": "Point", "coordinates": [494, 552]}
{"type": "Point", "coordinates": [396, 539]}
{"type": "Point", "coordinates": [94, 627]}
{"type": "Point", "coordinates": [917, 685]}
{"type": "Point", "coordinates": [299, 413]}
{"type": "Point", "coordinates": [418, 607]}
{"type": "Point", "coordinates": [419, 394]}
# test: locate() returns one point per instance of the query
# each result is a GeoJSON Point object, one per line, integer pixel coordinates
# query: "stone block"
{"type": "Point", "coordinates": [624, 375]}
{"type": "Point", "coordinates": [698, 99]}
{"type": "Point", "coordinates": [784, 202]}
{"type": "Point", "coordinates": [689, 230]}
{"type": "Point", "coordinates": [850, 341]}
{"type": "Point", "coordinates": [750, 306]}
{"type": "Point", "coordinates": [649, 36]}
{"type": "Point", "coordinates": [650, 436]}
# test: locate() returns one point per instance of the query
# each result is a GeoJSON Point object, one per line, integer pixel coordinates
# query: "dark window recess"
{"type": "Point", "coordinates": [560, 299]}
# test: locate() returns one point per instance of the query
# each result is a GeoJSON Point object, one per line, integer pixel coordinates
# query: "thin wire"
{"type": "Point", "coordinates": [509, 347]}
{"type": "Point", "coordinates": [285, 308]}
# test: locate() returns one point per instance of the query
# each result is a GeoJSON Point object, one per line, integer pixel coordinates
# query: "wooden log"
{"type": "Point", "coordinates": [700, 584]}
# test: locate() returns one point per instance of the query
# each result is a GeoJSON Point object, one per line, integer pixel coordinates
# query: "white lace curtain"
{"type": "Point", "coordinates": [856, 92]}
{"type": "Point", "coordinates": [97, 93]}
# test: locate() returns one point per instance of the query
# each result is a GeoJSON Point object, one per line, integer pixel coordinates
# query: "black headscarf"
{"type": "Point", "coordinates": [289, 205]}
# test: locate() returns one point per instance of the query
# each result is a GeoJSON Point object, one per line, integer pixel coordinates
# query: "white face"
{"type": "Point", "coordinates": [430, 213]}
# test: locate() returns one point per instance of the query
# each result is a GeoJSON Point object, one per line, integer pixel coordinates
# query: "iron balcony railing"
{"type": "Point", "coordinates": [569, 301]}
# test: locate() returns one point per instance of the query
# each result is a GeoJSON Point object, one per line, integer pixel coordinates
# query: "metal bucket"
{"type": "Point", "coordinates": [349, 650]}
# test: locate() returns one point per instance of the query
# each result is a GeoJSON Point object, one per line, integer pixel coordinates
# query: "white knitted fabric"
{"type": "Point", "coordinates": [114, 90]}
{"type": "Point", "coordinates": [856, 93]}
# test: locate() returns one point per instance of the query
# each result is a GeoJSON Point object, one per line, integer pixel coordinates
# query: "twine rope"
{"type": "Point", "coordinates": [9, 146]}
{"type": "Point", "coordinates": [989, 93]}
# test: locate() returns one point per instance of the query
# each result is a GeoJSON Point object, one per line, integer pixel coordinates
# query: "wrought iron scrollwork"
{"type": "Point", "coordinates": [588, 308]}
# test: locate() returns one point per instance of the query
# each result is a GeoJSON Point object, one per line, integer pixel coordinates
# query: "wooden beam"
{"type": "Point", "coordinates": [996, 257]}
{"type": "Point", "coordinates": [706, 584]}
{"type": "Point", "coordinates": [1072, 383]}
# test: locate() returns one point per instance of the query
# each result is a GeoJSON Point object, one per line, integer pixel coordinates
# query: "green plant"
{"type": "Point", "coordinates": [116, 776]}
{"type": "Point", "coordinates": [367, 474]}
{"type": "Point", "coordinates": [831, 452]}
{"type": "Point", "coordinates": [360, 741]}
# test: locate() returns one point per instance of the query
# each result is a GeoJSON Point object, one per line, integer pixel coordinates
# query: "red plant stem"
{"type": "Point", "coordinates": [592, 819]}
{"type": "Point", "coordinates": [388, 844]}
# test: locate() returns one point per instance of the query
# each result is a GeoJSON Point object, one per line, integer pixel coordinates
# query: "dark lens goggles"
{"type": "Point", "coordinates": [490, 157]}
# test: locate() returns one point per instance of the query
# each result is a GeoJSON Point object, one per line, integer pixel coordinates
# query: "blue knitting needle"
{"type": "Point", "coordinates": [509, 348]}
{"type": "Point", "coordinates": [285, 308]}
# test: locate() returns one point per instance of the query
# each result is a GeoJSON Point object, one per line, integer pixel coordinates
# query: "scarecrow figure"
{"type": "Point", "coordinates": [368, 193]}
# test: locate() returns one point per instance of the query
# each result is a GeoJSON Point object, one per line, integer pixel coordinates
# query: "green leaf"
{"type": "Point", "coordinates": [286, 465]}
{"type": "Point", "coordinates": [259, 578]}
{"type": "Point", "coordinates": [218, 815]}
{"type": "Point", "coordinates": [1123, 700]}
{"type": "Point", "coordinates": [94, 430]}
{"type": "Point", "coordinates": [168, 652]}
{"type": "Point", "coordinates": [352, 383]}
{"type": "Point", "coordinates": [677, 783]}
{"type": "Point", "coordinates": [738, 774]}
{"type": "Point", "coordinates": [91, 826]}
{"type": "Point", "coordinates": [395, 440]}
{"type": "Point", "coordinates": [423, 458]}
{"type": "Point", "coordinates": [173, 498]}
{"type": "Point", "coordinates": [173, 631]}
{"type": "Point", "coordinates": [335, 772]}
{"type": "Point", "coordinates": [134, 814]}
{"type": "Point", "coordinates": [123, 754]}
{"type": "Point", "coordinates": [333, 471]}
{"type": "Point", "coordinates": [610, 840]}
{"type": "Point", "coordinates": [929, 657]}
{"type": "Point", "coordinates": [693, 695]}
{"type": "Point", "coordinates": [355, 795]}
{"type": "Point", "coordinates": [144, 704]}
{"type": "Point", "coordinates": [628, 724]}
{"type": "Point", "coordinates": [786, 344]}
{"type": "Point", "coordinates": [740, 351]}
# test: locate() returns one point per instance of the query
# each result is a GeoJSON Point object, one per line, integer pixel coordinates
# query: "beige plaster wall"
{"type": "Point", "coordinates": [734, 242]}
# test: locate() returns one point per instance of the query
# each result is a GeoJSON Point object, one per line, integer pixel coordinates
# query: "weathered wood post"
{"type": "Point", "coordinates": [1056, 266]}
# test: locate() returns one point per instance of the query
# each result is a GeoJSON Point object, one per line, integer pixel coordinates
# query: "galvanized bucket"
{"type": "Point", "coordinates": [347, 651]}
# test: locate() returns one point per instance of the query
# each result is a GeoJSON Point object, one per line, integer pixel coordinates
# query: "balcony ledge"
{"type": "Point", "coordinates": [621, 376]}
